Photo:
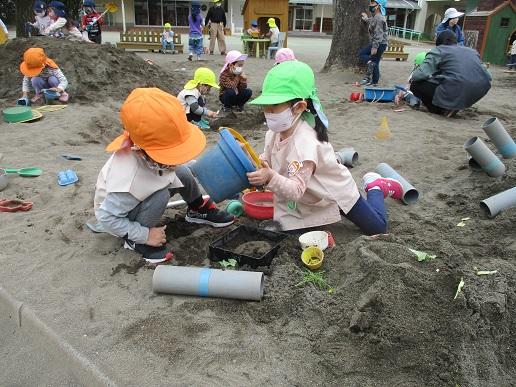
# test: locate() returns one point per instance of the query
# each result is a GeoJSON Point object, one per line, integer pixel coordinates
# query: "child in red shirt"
{"type": "Point", "coordinates": [91, 22]}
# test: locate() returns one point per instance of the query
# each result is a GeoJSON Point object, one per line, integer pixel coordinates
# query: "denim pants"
{"type": "Point", "coordinates": [229, 98]}
{"type": "Point", "coordinates": [195, 45]}
{"type": "Point", "coordinates": [370, 215]}
{"type": "Point", "coordinates": [149, 212]}
{"type": "Point", "coordinates": [165, 44]}
{"type": "Point", "coordinates": [365, 55]}
{"type": "Point", "coordinates": [39, 83]}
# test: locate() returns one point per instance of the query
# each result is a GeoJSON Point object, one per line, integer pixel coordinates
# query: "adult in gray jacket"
{"type": "Point", "coordinates": [451, 77]}
{"type": "Point", "coordinates": [372, 53]}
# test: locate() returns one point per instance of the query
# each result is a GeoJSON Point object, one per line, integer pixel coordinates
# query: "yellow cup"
{"type": "Point", "coordinates": [312, 257]}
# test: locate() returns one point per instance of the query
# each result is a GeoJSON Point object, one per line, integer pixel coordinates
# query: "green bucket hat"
{"type": "Point", "coordinates": [287, 81]}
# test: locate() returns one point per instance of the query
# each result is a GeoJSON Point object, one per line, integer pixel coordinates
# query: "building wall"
{"type": "Point", "coordinates": [476, 24]}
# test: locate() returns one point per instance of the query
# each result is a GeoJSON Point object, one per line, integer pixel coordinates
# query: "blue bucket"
{"type": "Point", "coordinates": [50, 95]}
{"type": "Point", "coordinates": [379, 94]}
{"type": "Point", "coordinates": [222, 169]}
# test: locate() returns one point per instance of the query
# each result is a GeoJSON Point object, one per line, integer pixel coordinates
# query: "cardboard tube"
{"type": "Point", "coordinates": [347, 156]}
{"type": "Point", "coordinates": [495, 204]}
{"type": "Point", "coordinates": [410, 194]}
{"type": "Point", "coordinates": [487, 160]}
{"type": "Point", "coordinates": [501, 139]}
{"type": "Point", "coordinates": [206, 282]}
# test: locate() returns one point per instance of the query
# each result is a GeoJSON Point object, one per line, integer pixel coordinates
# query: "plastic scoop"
{"type": "Point", "coordinates": [26, 172]}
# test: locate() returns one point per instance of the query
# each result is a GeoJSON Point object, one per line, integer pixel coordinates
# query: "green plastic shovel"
{"type": "Point", "coordinates": [26, 172]}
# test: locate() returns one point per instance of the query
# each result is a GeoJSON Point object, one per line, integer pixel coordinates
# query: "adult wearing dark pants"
{"type": "Point", "coordinates": [372, 53]}
{"type": "Point", "coordinates": [451, 77]}
{"type": "Point", "coordinates": [216, 20]}
{"type": "Point", "coordinates": [233, 82]}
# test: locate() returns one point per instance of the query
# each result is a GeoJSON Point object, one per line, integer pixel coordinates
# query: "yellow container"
{"type": "Point", "coordinates": [312, 257]}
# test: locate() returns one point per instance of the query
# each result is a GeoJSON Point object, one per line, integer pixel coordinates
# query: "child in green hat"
{"type": "Point", "coordinates": [192, 97]}
{"type": "Point", "coordinates": [310, 187]}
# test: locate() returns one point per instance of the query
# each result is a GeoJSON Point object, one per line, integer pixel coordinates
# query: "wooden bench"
{"type": "Point", "coordinates": [146, 39]}
{"type": "Point", "coordinates": [395, 50]}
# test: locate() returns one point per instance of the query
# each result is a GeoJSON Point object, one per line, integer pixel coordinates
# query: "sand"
{"type": "Point", "coordinates": [390, 320]}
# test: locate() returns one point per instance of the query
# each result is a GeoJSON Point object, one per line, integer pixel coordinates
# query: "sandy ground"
{"type": "Point", "coordinates": [389, 320]}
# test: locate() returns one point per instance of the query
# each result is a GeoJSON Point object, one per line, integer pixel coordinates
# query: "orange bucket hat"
{"type": "Point", "coordinates": [155, 121]}
{"type": "Point", "coordinates": [34, 61]}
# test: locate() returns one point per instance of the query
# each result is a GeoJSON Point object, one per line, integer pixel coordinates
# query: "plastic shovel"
{"type": "Point", "coordinates": [26, 172]}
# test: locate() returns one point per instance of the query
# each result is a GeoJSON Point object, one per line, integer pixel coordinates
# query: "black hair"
{"type": "Point", "coordinates": [446, 38]}
{"type": "Point", "coordinates": [320, 128]}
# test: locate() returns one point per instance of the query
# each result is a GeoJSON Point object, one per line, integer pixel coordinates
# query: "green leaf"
{"type": "Point", "coordinates": [422, 255]}
{"type": "Point", "coordinates": [228, 264]}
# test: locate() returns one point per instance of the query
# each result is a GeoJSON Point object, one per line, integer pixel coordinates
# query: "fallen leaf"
{"type": "Point", "coordinates": [461, 224]}
{"type": "Point", "coordinates": [422, 255]}
{"type": "Point", "coordinates": [459, 288]}
{"type": "Point", "coordinates": [486, 272]}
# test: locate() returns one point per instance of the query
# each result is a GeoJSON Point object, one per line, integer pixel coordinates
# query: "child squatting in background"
{"type": "Point", "coordinates": [42, 73]}
{"type": "Point", "coordinates": [61, 26]}
{"type": "Point", "coordinates": [310, 188]}
{"type": "Point", "coordinates": [91, 22]}
{"type": "Point", "coordinates": [145, 170]}
{"type": "Point", "coordinates": [192, 97]}
{"type": "Point", "coordinates": [233, 82]}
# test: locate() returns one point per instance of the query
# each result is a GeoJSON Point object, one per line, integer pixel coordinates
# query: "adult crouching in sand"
{"type": "Point", "coordinates": [145, 170]}
{"type": "Point", "coordinates": [451, 78]}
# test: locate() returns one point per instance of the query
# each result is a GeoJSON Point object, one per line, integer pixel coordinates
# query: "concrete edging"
{"type": "Point", "coordinates": [26, 321]}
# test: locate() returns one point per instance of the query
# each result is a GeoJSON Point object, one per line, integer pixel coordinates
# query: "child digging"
{"type": "Point", "coordinates": [42, 73]}
{"type": "Point", "coordinates": [310, 188]}
{"type": "Point", "coordinates": [192, 97]}
{"type": "Point", "coordinates": [145, 170]}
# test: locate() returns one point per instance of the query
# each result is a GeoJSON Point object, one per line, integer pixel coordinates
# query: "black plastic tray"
{"type": "Point", "coordinates": [219, 249]}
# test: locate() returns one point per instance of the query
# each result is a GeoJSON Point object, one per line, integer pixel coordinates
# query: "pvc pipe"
{"type": "Point", "coordinates": [495, 204]}
{"type": "Point", "coordinates": [410, 194]}
{"type": "Point", "coordinates": [347, 156]}
{"type": "Point", "coordinates": [181, 202]}
{"type": "Point", "coordinates": [501, 139]}
{"type": "Point", "coordinates": [206, 282]}
{"type": "Point", "coordinates": [473, 165]}
{"type": "Point", "coordinates": [484, 157]}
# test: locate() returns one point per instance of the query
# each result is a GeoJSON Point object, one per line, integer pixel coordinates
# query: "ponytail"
{"type": "Point", "coordinates": [320, 128]}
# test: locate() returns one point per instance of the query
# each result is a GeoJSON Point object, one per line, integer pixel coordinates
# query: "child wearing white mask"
{"type": "Point", "coordinates": [299, 165]}
{"type": "Point", "coordinates": [233, 82]}
{"type": "Point", "coordinates": [41, 19]}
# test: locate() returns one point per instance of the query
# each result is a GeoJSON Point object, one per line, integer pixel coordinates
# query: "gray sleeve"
{"type": "Point", "coordinates": [429, 66]}
{"type": "Point", "coordinates": [376, 31]}
{"type": "Point", "coordinates": [112, 214]}
{"type": "Point", "coordinates": [194, 106]}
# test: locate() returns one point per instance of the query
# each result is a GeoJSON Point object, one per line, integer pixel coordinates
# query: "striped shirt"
{"type": "Point", "coordinates": [45, 74]}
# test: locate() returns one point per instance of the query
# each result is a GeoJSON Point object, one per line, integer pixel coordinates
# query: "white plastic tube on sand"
{"type": "Point", "coordinates": [501, 139]}
{"type": "Point", "coordinates": [499, 202]}
{"type": "Point", "coordinates": [347, 156]}
{"type": "Point", "coordinates": [181, 202]}
{"type": "Point", "coordinates": [410, 194]}
{"type": "Point", "coordinates": [206, 282]}
{"type": "Point", "coordinates": [487, 160]}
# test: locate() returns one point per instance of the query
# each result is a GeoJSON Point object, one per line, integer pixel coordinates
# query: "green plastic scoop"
{"type": "Point", "coordinates": [26, 172]}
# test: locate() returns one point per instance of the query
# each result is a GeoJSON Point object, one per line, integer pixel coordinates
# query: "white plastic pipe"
{"type": "Point", "coordinates": [499, 202]}
{"type": "Point", "coordinates": [206, 282]}
{"type": "Point", "coordinates": [181, 202]}
{"type": "Point", "coordinates": [410, 194]}
{"type": "Point", "coordinates": [487, 160]}
{"type": "Point", "coordinates": [501, 139]}
{"type": "Point", "coordinates": [347, 156]}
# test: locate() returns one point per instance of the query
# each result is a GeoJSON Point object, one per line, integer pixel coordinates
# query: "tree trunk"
{"type": "Point", "coordinates": [349, 34]}
{"type": "Point", "coordinates": [24, 13]}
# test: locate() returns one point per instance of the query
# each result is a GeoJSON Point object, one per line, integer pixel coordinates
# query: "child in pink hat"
{"type": "Point", "coordinates": [283, 55]}
{"type": "Point", "coordinates": [233, 82]}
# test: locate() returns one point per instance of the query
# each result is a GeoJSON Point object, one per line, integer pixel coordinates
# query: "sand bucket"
{"type": "Point", "coordinates": [355, 97]}
{"type": "Point", "coordinates": [50, 96]}
{"type": "Point", "coordinates": [222, 170]}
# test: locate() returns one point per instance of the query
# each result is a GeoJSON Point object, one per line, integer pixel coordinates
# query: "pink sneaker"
{"type": "Point", "coordinates": [389, 187]}
{"type": "Point", "coordinates": [63, 97]}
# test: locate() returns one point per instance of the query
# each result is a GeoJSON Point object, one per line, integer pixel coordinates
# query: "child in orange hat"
{"type": "Point", "coordinates": [146, 169]}
{"type": "Point", "coordinates": [43, 73]}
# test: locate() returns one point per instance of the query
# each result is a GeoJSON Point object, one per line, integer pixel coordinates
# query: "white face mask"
{"type": "Point", "coordinates": [237, 70]}
{"type": "Point", "coordinates": [279, 122]}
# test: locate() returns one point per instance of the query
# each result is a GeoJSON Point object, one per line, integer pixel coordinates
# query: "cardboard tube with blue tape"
{"type": "Point", "coordinates": [206, 282]}
{"type": "Point", "coordinates": [501, 139]}
{"type": "Point", "coordinates": [487, 160]}
{"type": "Point", "coordinates": [410, 194]}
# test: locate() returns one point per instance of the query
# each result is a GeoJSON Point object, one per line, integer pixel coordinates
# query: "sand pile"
{"type": "Point", "coordinates": [94, 72]}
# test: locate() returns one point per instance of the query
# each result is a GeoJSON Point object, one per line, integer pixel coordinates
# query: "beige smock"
{"type": "Point", "coordinates": [185, 93]}
{"type": "Point", "coordinates": [330, 188]}
{"type": "Point", "coordinates": [126, 172]}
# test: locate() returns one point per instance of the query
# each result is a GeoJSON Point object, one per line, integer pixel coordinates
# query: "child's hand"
{"type": "Point", "coordinates": [156, 236]}
{"type": "Point", "coordinates": [212, 114]}
{"type": "Point", "coordinates": [243, 76]}
{"type": "Point", "coordinates": [262, 176]}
